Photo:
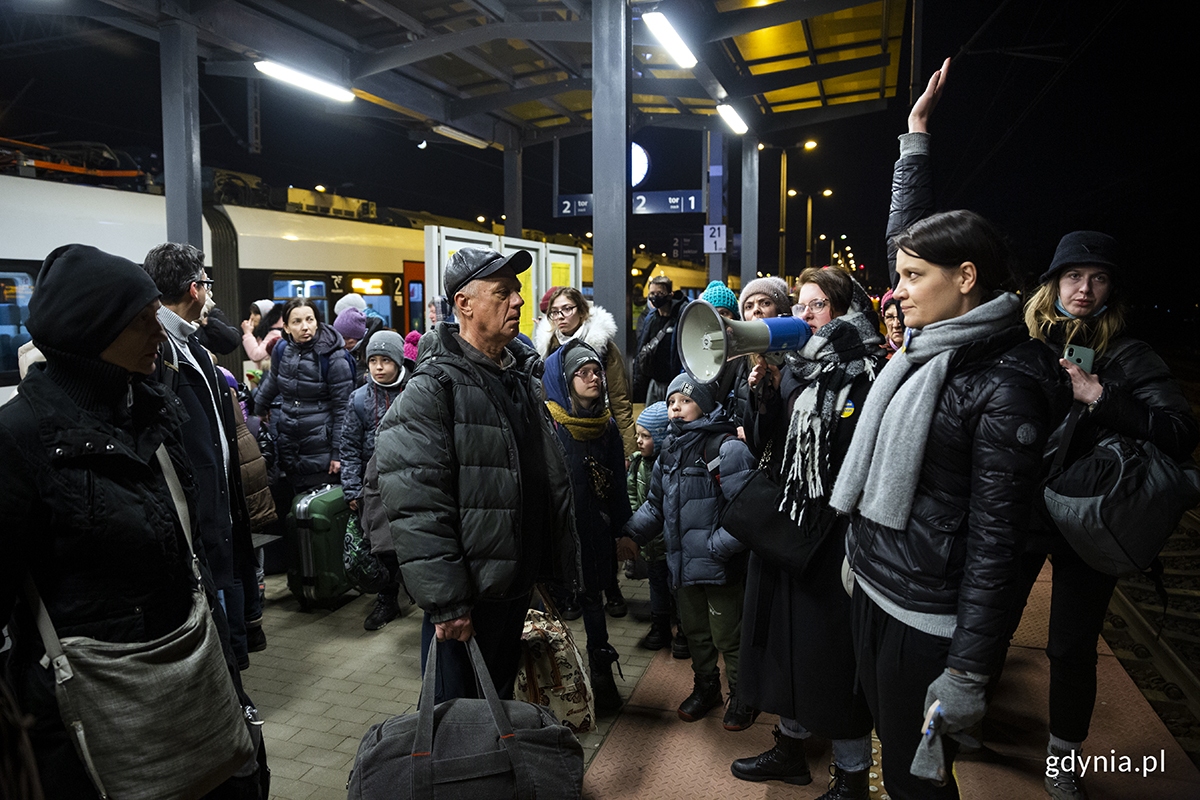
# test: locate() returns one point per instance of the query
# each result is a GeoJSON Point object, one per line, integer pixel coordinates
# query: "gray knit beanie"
{"type": "Point", "coordinates": [387, 343]}
{"type": "Point", "coordinates": [701, 393]}
{"type": "Point", "coordinates": [773, 288]}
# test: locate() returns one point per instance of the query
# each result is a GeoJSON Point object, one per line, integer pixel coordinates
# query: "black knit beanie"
{"type": "Point", "coordinates": [84, 298]}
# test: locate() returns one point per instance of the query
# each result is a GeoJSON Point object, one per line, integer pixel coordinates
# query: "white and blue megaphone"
{"type": "Point", "coordinates": [706, 340]}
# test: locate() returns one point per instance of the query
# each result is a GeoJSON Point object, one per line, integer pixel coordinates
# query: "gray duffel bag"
{"type": "Point", "coordinates": [468, 748]}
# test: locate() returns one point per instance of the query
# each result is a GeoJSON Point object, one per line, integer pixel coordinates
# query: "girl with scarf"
{"type": "Point", "coordinates": [940, 477]}
{"type": "Point", "coordinates": [1129, 391]}
{"type": "Point", "coordinates": [797, 656]}
{"type": "Point", "coordinates": [575, 392]}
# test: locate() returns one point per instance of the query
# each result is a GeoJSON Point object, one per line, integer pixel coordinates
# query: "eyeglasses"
{"type": "Point", "coordinates": [817, 306]}
{"type": "Point", "coordinates": [587, 373]}
{"type": "Point", "coordinates": [561, 311]}
{"type": "Point", "coordinates": [206, 281]}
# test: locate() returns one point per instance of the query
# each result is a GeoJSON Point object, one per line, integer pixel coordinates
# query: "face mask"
{"type": "Point", "coordinates": [659, 301]}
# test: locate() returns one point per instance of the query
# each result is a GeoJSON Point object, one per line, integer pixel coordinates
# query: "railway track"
{"type": "Point", "coordinates": [1161, 652]}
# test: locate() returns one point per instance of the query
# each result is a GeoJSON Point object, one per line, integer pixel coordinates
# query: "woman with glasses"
{"type": "Point", "coordinates": [893, 322]}
{"type": "Point", "coordinates": [570, 316]}
{"type": "Point", "coordinates": [797, 655]}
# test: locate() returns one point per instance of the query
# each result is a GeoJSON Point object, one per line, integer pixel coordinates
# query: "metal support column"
{"type": "Point", "coordinates": [716, 199]}
{"type": "Point", "coordinates": [611, 56]}
{"type": "Point", "coordinates": [513, 221]}
{"type": "Point", "coordinates": [808, 234]}
{"type": "Point", "coordinates": [749, 267]}
{"type": "Point", "coordinates": [253, 116]}
{"type": "Point", "coordinates": [783, 198]}
{"type": "Point", "coordinates": [181, 131]}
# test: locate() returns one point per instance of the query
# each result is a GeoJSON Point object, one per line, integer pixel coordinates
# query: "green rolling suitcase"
{"type": "Point", "coordinates": [316, 530]}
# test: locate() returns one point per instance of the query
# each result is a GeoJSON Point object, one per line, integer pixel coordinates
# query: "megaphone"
{"type": "Point", "coordinates": [707, 340]}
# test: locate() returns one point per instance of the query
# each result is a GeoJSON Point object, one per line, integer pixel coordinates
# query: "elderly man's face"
{"type": "Point", "coordinates": [493, 308]}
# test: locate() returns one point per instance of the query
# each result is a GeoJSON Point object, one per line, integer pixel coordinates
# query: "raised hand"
{"type": "Point", "coordinates": [922, 110]}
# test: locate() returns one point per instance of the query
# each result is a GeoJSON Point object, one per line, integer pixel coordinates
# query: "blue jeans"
{"type": "Point", "coordinates": [851, 755]}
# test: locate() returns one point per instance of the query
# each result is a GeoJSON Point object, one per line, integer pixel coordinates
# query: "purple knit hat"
{"type": "Point", "coordinates": [351, 324]}
{"type": "Point", "coordinates": [410, 345]}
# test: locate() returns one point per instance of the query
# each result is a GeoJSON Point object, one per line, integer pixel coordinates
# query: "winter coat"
{"type": "Point", "coordinates": [971, 512]}
{"type": "Point", "coordinates": [601, 500]}
{"type": "Point", "coordinates": [599, 330]}
{"type": "Point", "coordinates": [450, 478]}
{"type": "Point", "coordinates": [641, 472]}
{"type": "Point", "coordinates": [89, 516]}
{"type": "Point", "coordinates": [358, 435]}
{"type": "Point", "coordinates": [256, 486]}
{"type": "Point", "coordinates": [797, 654]}
{"type": "Point", "coordinates": [314, 403]}
{"type": "Point", "coordinates": [685, 501]}
{"type": "Point", "coordinates": [665, 363]}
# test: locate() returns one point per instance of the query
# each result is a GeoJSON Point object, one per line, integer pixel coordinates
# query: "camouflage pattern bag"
{"type": "Point", "coordinates": [552, 672]}
{"type": "Point", "coordinates": [364, 571]}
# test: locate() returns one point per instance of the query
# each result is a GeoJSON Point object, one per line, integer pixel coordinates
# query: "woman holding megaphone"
{"type": "Point", "coordinates": [797, 654]}
{"type": "Point", "coordinates": [939, 481]}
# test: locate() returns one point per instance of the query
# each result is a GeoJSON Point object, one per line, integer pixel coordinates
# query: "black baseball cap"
{"type": "Point", "coordinates": [470, 263]}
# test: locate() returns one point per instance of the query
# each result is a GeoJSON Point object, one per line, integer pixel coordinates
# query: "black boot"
{"type": "Point", "coordinates": [569, 607]}
{"type": "Point", "coordinates": [615, 606]}
{"type": "Point", "coordinates": [604, 688]}
{"type": "Point", "coordinates": [848, 785]}
{"type": "Point", "coordinates": [738, 715]}
{"type": "Point", "coordinates": [704, 698]}
{"type": "Point", "coordinates": [256, 638]}
{"type": "Point", "coordinates": [386, 609]}
{"type": "Point", "coordinates": [659, 635]}
{"type": "Point", "coordinates": [783, 762]}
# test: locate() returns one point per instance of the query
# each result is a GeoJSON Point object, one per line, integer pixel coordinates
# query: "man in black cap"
{"type": "Point", "coordinates": [473, 478]}
{"type": "Point", "coordinates": [211, 438]}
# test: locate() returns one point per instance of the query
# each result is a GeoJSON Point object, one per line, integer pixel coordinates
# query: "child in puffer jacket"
{"type": "Point", "coordinates": [651, 430]}
{"type": "Point", "coordinates": [387, 373]}
{"type": "Point", "coordinates": [707, 566]}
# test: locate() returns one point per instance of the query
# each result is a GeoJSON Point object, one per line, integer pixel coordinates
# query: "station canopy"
{"type": "Point", "coordinates": [509, 73]}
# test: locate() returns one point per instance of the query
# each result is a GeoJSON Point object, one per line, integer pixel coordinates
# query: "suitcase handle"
{"type": "Point", "coordinates": [422, 755]}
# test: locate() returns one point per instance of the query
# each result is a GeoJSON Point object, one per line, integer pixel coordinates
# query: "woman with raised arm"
{"type": "Point", "coordinates": [963, 409]}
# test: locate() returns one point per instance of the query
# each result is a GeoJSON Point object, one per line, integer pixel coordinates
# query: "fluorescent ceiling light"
{"type": "Point", "coordinates": [731, 118]}
{"type": "Point", "coordinates": [459, 136]}
{"type": "Point", "coordinates": [658, 24]}
{"type": "Point", "coordinates": [296, 78]}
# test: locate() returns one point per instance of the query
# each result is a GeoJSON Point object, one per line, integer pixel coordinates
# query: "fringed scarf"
{"type": "Point", "coordinates": [827, 366]}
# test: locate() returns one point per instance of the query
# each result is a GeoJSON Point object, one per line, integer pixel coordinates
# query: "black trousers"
{"type": "Point", "coordinates": [498, 625]}
{"type": "Point", "coordinates": [1078, 601]}
{"type": "Point", "coordinates": [896, 664]}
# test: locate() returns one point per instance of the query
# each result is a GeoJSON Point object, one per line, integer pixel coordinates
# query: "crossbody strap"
{"type": "Point", "coordinates": [50, 640]}
{"type": "Point", "coordinates": [1064, 443]}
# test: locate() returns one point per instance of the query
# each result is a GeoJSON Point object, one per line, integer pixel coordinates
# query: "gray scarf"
{"type": "Point", "coordinates": [880, 471]}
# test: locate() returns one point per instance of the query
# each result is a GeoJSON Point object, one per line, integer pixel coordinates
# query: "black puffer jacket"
{"type": "Point", "coordinates": [314, 402]}
{"type": "Point", "coordinates": [972, 509]}
{"type": "Point", "coordinates": [88, 514]}
{"type": "Point", "coordinates": [450, 479]}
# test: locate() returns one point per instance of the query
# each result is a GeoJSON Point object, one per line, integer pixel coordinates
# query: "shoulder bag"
{"type": "Point", "coordinates": [156, 720]}
{"type": "Point", "coordinates": [552, 672]}
{"type": "Point", "coordinates": [1118, 503]}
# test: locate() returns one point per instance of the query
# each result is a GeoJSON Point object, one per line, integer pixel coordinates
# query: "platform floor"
{"type": "Point", "coordinates": [323, 681]}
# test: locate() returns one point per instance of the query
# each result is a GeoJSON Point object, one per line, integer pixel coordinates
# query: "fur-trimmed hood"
{"type": "Point", "coordinates": [597, 330]}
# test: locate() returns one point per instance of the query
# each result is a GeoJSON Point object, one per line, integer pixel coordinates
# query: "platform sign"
{"type": "Point", "coordinates": [714, 238]}
{"type": "Point", "coordinates": [686, 247]}
{"type": "Point", "coordinates": [680, 201]}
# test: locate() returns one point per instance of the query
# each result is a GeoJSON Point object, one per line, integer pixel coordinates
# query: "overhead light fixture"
{"type": "Point", "coordinates": [297, 78]}
{"type": "Point", "coordinates": [810, 144]}
{"type": "Point", "coordinates": [479, 219]}
{"type": "Point", "coordinates": [731, 118]}
{"type": "Point", "coordinates": [662, 29]}
{"type": "Point", "coordinates": [459, 136]}
{"type": "Point", "coordinates": [827, 192]}
{"type": "Point", "coordinates": [423, 145]}
{"type": "Point", "coordinates": [319, 187]}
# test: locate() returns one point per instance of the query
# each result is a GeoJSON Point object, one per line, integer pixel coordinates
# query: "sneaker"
{"type": "Point", "coordinates": [784, 762]}
{"type": "Point", "coordinates": [615, 607]}
{"type": "Point", "coordinates": [570, 608]}
{"type": "Point", "coordinates": [386, 609]}
{"type": "Point", "coordinates": [704, 698]}
{"type": "Point", "coordinates": [1065, 785]}
{"type": "Point", "coordinates": [738, 715]}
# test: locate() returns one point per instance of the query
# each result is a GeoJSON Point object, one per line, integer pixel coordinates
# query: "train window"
{"type": "Point", "coordinates": [15, 291]}
{"type": "Point", "coordinates": [287, 288]}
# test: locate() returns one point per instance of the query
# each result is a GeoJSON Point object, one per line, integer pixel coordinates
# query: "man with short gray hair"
{"type": "Point", "coordinates": [473, 477]}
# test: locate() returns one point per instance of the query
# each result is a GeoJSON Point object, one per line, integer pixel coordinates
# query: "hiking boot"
{"type": "Point", "coordinates": [679, 646]}
{"type": "Point", "coordinates": [256, 638]}
{"type": "Point", "coordinates": [704, 698]}
{"type": "Point", "coordinates": [659, 635]}
{"type": "Point", "coordinates": [386, 609]}
{"type": "Point", "coordinates": [569, 608]}
{"type": "Point", "coordinates": [615, 606]}
{"type": "Point", "coordinates": [604, 688]}
{"type": "Point", "coordinates": [783, 762]}
{"type": "Point", "coordinates": [1065, 785]}
{"type": "Point", "coordinates": [738, 715]}
{"type": "Point", "coordinates": [848, 785]}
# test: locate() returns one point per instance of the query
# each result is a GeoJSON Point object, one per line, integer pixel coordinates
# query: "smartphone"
{"type": "Point", "coordinates": [1080, 356]}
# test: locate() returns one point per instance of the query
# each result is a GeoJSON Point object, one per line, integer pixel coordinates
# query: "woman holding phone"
{"type": "Point", "coordinates": [1079, 312]}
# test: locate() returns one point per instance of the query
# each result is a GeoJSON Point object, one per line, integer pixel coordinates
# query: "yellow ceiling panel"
{"type": "Point", "coordinates": [780, 66]}
{"type": "Point", "coordinates": [772, 42]}
{"type": "Point", "coordinates": [792, 94]}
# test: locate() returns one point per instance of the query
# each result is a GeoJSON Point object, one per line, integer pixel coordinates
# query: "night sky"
{"type": "Point", "coordinates": [1096, 138]}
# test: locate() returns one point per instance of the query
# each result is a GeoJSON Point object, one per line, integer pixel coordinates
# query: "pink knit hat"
{"type": "Point", "coordinates": [410, 345]}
